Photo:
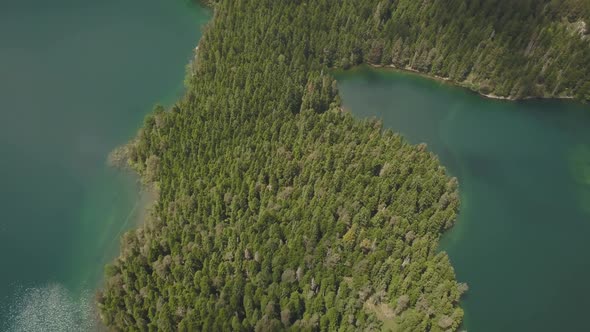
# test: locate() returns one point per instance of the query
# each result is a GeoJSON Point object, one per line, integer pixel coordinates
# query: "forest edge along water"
{"type": "Point", "coordinates": [503, 168]}
{"type": "Point", "coordinates": [76, 80]}
{"type": "Point", "coordinates": [473, 89]}
{"type": "Point", "coordinates": [529, 151]}
{"type": "Point", "coordinates": [523, 173]}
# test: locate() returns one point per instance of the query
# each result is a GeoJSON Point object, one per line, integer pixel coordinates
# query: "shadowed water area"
{"type": "Point", "coordinates": [521, 240]}
{"type": "Point", "coordinates": [76, 80]}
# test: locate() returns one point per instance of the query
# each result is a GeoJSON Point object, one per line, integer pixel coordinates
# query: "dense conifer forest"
{"type": "Point", "coordinates": [278, 211]}
{"type": "Point", "coordinates": [508, 48]}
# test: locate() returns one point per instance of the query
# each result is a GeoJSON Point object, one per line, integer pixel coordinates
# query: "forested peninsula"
{"type": "Point", "coordinates": [278, 211]}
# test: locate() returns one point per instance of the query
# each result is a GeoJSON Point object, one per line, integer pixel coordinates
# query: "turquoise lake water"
{"type": "Point", "coordinates": [521, 240]}
{"type": "Point", "coordinates": [76, 80]}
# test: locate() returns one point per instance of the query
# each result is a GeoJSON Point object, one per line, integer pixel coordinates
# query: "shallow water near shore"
{"type": "Point", "coordinates": [521, 239]}
{"type": "Point", "coordinates": [76, 80]}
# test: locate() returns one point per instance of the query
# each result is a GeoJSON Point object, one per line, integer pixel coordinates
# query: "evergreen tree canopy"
{"type": "Point", "coordinates": [275, 209]}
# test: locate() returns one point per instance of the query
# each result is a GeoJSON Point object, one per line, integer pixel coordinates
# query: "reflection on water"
{"type": "Point", "coordinates": [51, 308]}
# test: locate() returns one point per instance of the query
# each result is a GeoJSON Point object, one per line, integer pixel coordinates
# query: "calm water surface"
{"type": "Point", "coordinates": [522, 238]}
{"type": "Point", "coordinates": [76, 79]}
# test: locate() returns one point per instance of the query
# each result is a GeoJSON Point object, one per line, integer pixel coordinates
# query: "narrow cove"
{"type": "Point", "coordinates": [521, 238]}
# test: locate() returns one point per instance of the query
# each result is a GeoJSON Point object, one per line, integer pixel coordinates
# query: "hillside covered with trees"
{"type": "Point", "coordinates": [509, 48]}
{"type": "Point", "coordinates": [275, 209]}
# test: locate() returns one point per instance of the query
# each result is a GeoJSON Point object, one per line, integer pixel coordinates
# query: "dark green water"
{"type": "Point", "coordinates": [76, 79]}
{"type": "Point", "coordinates": [522, 238]}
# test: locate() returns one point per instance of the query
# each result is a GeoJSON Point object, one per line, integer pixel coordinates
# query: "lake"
{"type": "Point", "coordinates": [521, 239]}
{"type": "Point", "coordinates": [76, 80]}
